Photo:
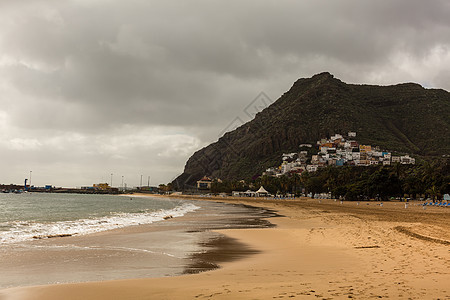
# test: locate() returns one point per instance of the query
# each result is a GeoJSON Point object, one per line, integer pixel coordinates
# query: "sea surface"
{"type": "Point", "coordinates": [28, 216]}
{"type": "Point", "coordinates": [67, 238]}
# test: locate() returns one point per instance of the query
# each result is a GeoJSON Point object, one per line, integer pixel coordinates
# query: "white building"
{"type": "Point", "coordinates": [289, 156]}
{"type": "Point", "coordinates": [407, 160]}
{"type": "Point", "coordinates": [287, 167]}
{"type": "Point", "coordinates": [376, 153]}
{"type": "Point", "coordinates": [305, 145]}
{"type": "Point", "coordinates": [311, 168]}
{"type": "Point", "coordinates": [336, 137]}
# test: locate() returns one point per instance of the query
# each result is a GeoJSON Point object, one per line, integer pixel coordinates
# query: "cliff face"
{"type": "Point", "coordinates": [404, 117]}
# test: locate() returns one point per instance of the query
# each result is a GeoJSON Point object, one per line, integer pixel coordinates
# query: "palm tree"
{"type": "Point", "coordinates": [433, 191]}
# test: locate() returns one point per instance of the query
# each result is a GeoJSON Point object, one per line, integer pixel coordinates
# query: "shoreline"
{"type": "Point", "coordinates": [171, 247]}
{"type": "Point", "coordinates": [318, 250]}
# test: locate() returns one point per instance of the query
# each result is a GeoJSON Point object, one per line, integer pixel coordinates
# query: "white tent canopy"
{"type": "Point", "coordinates": [249, 193]}
{"type": "Point", "coordinates": [262, 190]}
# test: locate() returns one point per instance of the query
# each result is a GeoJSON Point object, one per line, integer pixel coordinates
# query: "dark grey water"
{"type": "Point", "coordinates": [32, 215]}
{"type": "Point", "coordinates": [177, 246]}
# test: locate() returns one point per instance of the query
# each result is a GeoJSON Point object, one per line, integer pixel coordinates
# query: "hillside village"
{"type": "Point", "coordinates": [338, 151]}
{"type": "Point", "coordinates": [335, 151]}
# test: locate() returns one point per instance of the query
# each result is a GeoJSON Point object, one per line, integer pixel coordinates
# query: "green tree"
{"type": "Point", "coordinates": [315, 185]}
{"type": "Point", "coordinates": [382, 184]}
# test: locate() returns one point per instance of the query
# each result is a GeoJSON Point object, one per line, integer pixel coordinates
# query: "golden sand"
{"type": "Point", "coordinates": [323, 250]}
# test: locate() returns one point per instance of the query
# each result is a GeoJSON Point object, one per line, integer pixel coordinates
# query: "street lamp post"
{"type": "Point", "coordinates": [122, 184]}
{"type": "Point", "coordinates": [111, 179]}
{"type": "Point", "coordinates": [30, 179]}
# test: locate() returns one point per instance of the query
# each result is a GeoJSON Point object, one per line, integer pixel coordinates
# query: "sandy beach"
{"type": "Point", "coordinates": [318, 250]}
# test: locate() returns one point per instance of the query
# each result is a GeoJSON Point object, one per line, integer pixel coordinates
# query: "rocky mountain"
{"type": "Point", "coordinates": [405, 118]}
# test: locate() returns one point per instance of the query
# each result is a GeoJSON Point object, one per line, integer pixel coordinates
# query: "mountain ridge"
{"type": "Point", "coordinates": [405, 117]}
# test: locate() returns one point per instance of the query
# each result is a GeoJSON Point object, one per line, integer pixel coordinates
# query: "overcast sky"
{"type": "Point", "coordinates": [94, 87]}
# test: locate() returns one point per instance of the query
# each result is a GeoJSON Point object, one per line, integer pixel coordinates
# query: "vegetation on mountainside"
{"type": "Point", "coordinates": [426, 179]}
{"type": "Point", "coordinates": [404, 118]}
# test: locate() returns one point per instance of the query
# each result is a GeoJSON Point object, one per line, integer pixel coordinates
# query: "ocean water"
{"type": "Point", "coordinates": [186, 243]}
{"type": "Point", "coordinates": [30, 216]}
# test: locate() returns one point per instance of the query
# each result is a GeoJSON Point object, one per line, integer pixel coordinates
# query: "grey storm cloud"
{"type": "Point", "coordinates": [91, 69]}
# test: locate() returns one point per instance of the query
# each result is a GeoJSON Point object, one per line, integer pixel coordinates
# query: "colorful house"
{"type": "Point", "coordinates": [101, 186]}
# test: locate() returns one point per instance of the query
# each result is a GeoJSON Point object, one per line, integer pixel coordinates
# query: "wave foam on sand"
{"type": "Point", "coordinates": [26, 231]}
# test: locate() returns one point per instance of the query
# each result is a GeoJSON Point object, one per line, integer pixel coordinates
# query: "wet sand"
{"type": "Point", "coordinates": [176, 246]}
{"type": "Point", "coordinates": [323, 250]}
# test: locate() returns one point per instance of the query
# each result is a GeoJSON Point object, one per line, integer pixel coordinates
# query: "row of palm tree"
{"type": "Point", "coordinates": [426, 179]}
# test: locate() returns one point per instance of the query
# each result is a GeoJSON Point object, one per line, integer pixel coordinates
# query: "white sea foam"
{"type": "Point", "coordinates": [26, 231]}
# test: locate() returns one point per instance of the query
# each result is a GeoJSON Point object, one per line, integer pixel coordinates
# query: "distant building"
{"type": "Point", "coordinates": [377, 153]}
{"type": "Point", "coordinates": [285, 167]}
{"type": "Point", "coordinates": [315, 159]}
{"type": "Point", "coordinates": [363, 162]}
{"type": "Point", "coordinates": [101, 186]}
{"type": "Point", "coordinates": [335, 151]}
{"type": "Point", "coordinates": [289, 156]}
{"type": "Point", "coordinates": [270, 172]}
{"type": "Point", "coordinates": [204, 183]}
{"type": "Point", "coordinates": [336, 137]}
{"type": "Point", "coordinates": [365, 148]}
{"type": "Point", "coordinates": [340, 162]}
{"type": "Point", "coordinates": [87, 187]}
{"type": "Point", "coordinates": [311, 168]}
{"type": "Point", "coordinates": [149, 189]}
{"type": "Point", "coordinates": [395, 159]}
{"type": "Point", "coordinates": [353, 144]}
{"type": "Point", "coordinates": [407, 160]}
{"type": "Point", "coordinates": [356, 155]}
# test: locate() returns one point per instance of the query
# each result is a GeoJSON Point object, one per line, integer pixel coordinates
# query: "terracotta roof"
{"type": "Point", "coordinates": [205, 178]}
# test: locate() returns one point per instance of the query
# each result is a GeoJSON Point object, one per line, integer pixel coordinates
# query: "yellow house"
{"type": "Point", "coordinates": [365, 148]}
{"type": "Point", "coordinates": [101, 186]}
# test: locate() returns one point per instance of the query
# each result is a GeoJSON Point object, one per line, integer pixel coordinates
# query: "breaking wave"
{"type": "Point", "coordinates": [20, 231]}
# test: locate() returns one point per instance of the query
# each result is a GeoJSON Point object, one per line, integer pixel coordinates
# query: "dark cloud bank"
{"type": "Point", "coordinates": [91, 88]}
